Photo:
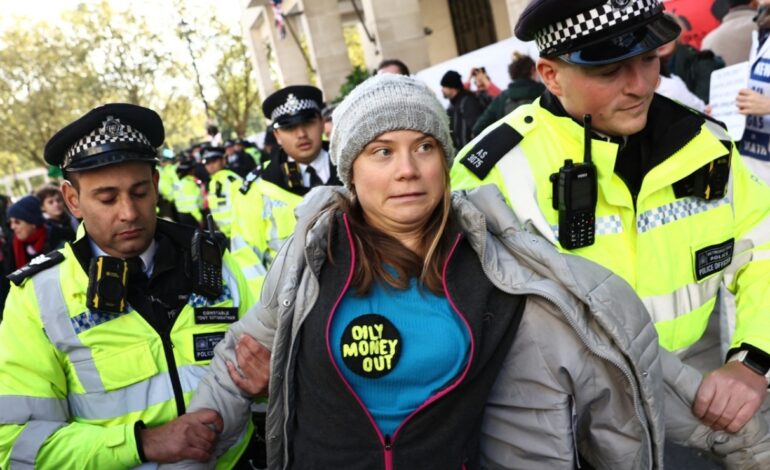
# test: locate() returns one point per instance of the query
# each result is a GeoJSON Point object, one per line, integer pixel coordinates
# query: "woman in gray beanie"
{"type": "Point", "coordinates": [411, 328]}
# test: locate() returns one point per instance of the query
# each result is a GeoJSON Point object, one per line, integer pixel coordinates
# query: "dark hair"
{"type": "Point", "coordinates": [72, 178]}
{"type": "Point", "coordinates": [521, 66]}
{"type": "Point", "coordinates": [375, 249]}
{"type": "Point", "coordinates": [737, 3]}
{"type": "Point", "coordinates": [47, 190]}
{"type": "Point", "coordinates": [402, 68]}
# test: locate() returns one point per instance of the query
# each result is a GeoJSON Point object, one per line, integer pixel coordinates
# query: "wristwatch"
{"type": "Point", "coordinates": [753, 358]}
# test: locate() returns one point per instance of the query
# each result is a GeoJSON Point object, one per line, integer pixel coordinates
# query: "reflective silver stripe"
{"type": "Point", "coordinates": [269, 215]}
{"type": "Point", "coordinates": [30, 441]}
{"type": "Point", "coordinates": [19, 409]}
{"type": "Point", "coordinates": [521, 187]}
{"type": "Point", "coordinates": [674, 211]}
{"type": "Point", "coordinates": [229, 278]}
{"type": "Point", "coordinates": [718, 131]}
{"type": "Point", "coordinates": [607, 225]}
{"type": "Point", "coordinates": [238, 242]}
{"type": "Point", "coordinates": [135, 397]}
{"type": "Point", "coordinates": [59, 329]}
{"type": "Point", "coordinates": [683, 300]}
{"type": "Point", "coordinates": [253, 271]}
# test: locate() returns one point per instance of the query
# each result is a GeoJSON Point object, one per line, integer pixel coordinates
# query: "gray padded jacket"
{"type": "Point", "coordinates": [585, 373]}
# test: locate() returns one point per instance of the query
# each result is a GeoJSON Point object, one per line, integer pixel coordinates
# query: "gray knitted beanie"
{"type": "Point", "coordinates": [381, 104]}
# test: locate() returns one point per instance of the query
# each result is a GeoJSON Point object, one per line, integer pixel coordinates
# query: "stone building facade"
{"type": "Point", "coordinates": [421, 33]}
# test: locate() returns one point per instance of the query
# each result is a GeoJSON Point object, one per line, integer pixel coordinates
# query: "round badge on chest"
{"type": "Point", "coordinates": [371, 346]}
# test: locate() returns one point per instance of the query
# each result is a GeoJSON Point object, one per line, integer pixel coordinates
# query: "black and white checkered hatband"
{"type": "Point", "coordinates": [611, 14]}
{"type": "Point", "coordinates": [113, 135]}
{"type": "Point", "coordinates": [292, 106]}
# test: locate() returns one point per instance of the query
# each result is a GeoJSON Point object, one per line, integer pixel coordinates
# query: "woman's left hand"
{"type": "Point", "coordinates": [254, 363]}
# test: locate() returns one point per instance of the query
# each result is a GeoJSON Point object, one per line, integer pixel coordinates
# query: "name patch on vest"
{"type": "Point", "coordinates": [490, 149]}
{"type": "Point", "coordinates": [204, 345]}
{"type": "Point", "coordinates": [371, 346]}
{"type": "Point", "coordinates": [207, 315]}
{"type": "Point", "coordinates": [713, 258]}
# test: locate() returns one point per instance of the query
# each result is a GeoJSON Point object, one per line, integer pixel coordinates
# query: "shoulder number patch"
{"type": "Point", "coordinates": [251, 177]}
{"type": "Point", "coordinates": [489, 150]}
{"type": "Point", "coordinates": [38, 264]}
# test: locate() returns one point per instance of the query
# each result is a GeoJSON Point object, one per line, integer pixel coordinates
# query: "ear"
{"type": "Point", "coordinates": [155, 179]}
{"type": "Point", "coordinates": [549, 70]}
{"type": "Point", "coordinates": [71, 198]}
{"type": "Point", "coordinates": [277, 134]}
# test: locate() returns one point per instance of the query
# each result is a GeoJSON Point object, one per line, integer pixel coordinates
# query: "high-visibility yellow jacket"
{"type": "Point", "coordinates": [264, 219]}
{"type": "Point", "coordinates": [188, 197]}
{"type": "Point", "coordinates": [74, 382]}
{"type": "Point", "coordinates": [674, 251]}
{"type": "Point", "coordinates": [222, 188]}
{"type": "Point", "coordinates": [263, 216]}
{"type": "Point", "coordinates": [166, 180]}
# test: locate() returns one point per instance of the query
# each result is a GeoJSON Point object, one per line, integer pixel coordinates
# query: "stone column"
{"type": "Point", "coordinates": [292, 68]}
{"type": "Point", "coordinates": [397, 25]}
{"type": "Point", "coordinates": [257, 39]}
{"type": "Point", "coordinates": [322, 25]}
{"type": "Point", "coordinates": [515, 7]}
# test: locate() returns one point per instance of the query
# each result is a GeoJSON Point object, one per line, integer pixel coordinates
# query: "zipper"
{"type": "Point", "coordinates": [583, 338]}
{"type": "Point", "coordinates": [176, 384]}
{"type": "Point", "coordinates": [385, 441]}
{"type": "Point", "coordinates": [168, 352]}
{"type": "Point", "coordinates": [388, 453]}
{"type": "Point", "coordinates": [432, 399]}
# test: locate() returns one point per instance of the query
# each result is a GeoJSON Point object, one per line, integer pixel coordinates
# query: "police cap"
{"type": "Point", "coordinates": [293, 105]}
{"type": "Point", "coordinates": [595, 32]}
{"type": "Point", "coordinates": [107, 135]}
{"type": "Point", "coordinates": [185, 164]}
{"type": "Point", "coordinates": [211, 153]}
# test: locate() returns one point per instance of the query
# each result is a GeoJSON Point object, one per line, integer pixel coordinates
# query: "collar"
{"type": "Point", "coordinates": [320, 165]}
{"type": "Point", "coordinates": [147, 257]}
{"type": "Point", "coordinates": [273, 172]}
{"type": "Point", "coordinates": [670, 125]}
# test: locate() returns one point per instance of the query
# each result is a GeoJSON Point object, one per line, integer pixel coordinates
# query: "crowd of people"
{"type": "Point", "coordinates": [532, 278]}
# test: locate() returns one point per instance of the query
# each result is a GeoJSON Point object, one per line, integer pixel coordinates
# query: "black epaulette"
{"type": "Point", "coordinates": [490, 149]}
{"type": "Point", "coordinates": [250, 178]}
{"type": "Point", "coordinates": [38, 264]}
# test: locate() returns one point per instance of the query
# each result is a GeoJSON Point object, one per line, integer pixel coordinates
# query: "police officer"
{"type": "Point", "coordinates": [238, 159]}
{"type": "Point", "coordinates": [166, 182]}
{"type": "Point", "coordinates": [652, 190]}
{"type": "Point", "coordinates": [188, 193]}
{"type": "Point", "coordinates": [264, 212]}
{"type": "Point", "coordinates": [222, 186]}
{"type": "Point", "coordinates": [104, 340]}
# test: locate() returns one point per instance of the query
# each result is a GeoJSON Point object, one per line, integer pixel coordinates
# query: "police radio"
{"type": "Point", "coordinates": [206, 262]}
{"type": "Point", "coordinates": [107, 278]}
{"type": "Point", "coordinates": [575, 196]}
